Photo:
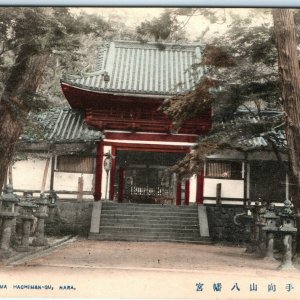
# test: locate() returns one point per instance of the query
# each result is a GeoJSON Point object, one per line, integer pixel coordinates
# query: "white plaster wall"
{"type": "Point", "coordinates": [28, 174]}
{"type": "Point", "coordinates": [64, 181]}
{"type": "Point", "coordinates": [193, 188]}
{"type": "Point", "coordinates": [229, 189]}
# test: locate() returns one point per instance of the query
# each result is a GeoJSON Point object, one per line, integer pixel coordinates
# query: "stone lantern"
{"type": "Point", "coordinates": [41, 214]}
{"type": "Point", "coordinates": [52, 197]}
{"type": "Point", "coordinates": [27, 218]}
{"type": "Point", "coordinates": [246, 221]}
{"type": "Point", "coordinates": [107, 164]}
{"type": "Point", "coordinates": [287, 229]}
{"type": "Point", "coordinates": [270, 228]}
{"type": "Point", "coordinates": [256, 225]}
{"type": "Point", "coordinates": [260, 223]}
{"type": "Point", "coordinates": [8, 213]}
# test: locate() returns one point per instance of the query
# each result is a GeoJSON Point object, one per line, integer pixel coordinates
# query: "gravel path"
{"type": "Point", "coordinates": [152, 270]}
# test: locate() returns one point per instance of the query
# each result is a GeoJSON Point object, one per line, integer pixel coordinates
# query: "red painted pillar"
{"type": "Point", "coordinates": [98, 175]}
{"type": "Point", "coordinates": [121, 185]}
{"type": "Point", "coordinates": [187, 193]}
{"type": "Point", "coordinates": [200, 188]}
{"type": "Point", "coordinates": [112, 174]}
{"type": "Point", "coordinates": [178, 193]}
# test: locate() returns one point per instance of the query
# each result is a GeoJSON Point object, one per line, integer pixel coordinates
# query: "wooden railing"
{"type": "Point", "coordinates": [77, 194]}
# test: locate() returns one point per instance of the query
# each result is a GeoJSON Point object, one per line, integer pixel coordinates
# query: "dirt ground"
{"type": "Point", "coordinates": [151, 270]}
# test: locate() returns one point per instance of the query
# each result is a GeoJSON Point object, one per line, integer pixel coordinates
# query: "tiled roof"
{"type": "Point", "coordinates": [61, 125]}
{"type": "Point", "coordinates": [262, 141]}
{"type": "Point", "coordinates": [150, 68]}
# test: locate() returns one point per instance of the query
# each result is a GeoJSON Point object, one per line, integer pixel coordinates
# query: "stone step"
{"type": "Point", "coordinates": [142, 218]}
{"type": "Point", "coordinates": [161, 208]}
{"type": "Point", "coordinates": [168, 206]}
{"type": "Point", "coordinates": [150, 213]}
{"type": "Point", "coordinates": [151, 226]}
{"type": "Point", "coordinates": [157, 230]}
{"type": "Point", "coordinates": [144, 234]}
{"type": "Point", "coordinates": [137, 238]}
{"type": "Point", "coordinates": [148, 222]}
{"type": "Point", "coordinates": [168, 222]}
{"type": "Point", "coordinates": [147, 239]}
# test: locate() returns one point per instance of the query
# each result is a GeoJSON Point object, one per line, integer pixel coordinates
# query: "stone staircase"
{"type": "Point", "coordinates": [148, 222]}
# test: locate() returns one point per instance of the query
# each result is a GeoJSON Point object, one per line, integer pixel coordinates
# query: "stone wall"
{"type": "Point", "coordinates": [70, 217]}
{"type": "Point", "coordinates": [222, 227]}
{"type": "Point", "coordinates": [73, 217]}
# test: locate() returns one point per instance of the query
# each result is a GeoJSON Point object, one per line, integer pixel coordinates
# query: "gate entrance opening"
{"type": "Point", "coordinates": [146, 177]}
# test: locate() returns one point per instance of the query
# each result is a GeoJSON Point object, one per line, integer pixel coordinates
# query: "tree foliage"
{"type": "Point", "coordinates": [244, 64]}
{"type": "Point", "coordinates": [164, 28]}
{"type": "Point", "coordinates": [48, 30]}
{"type": "Point", "coordinates": [30, 37]}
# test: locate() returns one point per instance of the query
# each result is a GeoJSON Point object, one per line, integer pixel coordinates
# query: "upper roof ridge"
{"type": "Point", "coordinates": [141, 44]}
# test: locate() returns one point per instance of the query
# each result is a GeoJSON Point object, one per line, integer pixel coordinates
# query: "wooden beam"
{"type": "Point", "coordinates": [57, 192]}
{"type": "Point", "coordinates": [178, 193]}
{"type": "Point", "coordinates": [200, 188]}
{"type": "Point", "coordinates": [98, 175]}
{"type": "Point", "coordinates": [80, 189]}
{"type": "Point", "coordinates": [10, 178]}
{"type": "Point", "coordinates": [45, 175]}
{"type": "Point", "coordinates": [52, 173]}
{"type": "Point", "coordinates": [187, 193]}
{"type": "Point", "coordinates": [112, 174]}
{"type": "Point", "coordinates": [121, 185]}
{"type": "Point", "coordinates": [218, 193]}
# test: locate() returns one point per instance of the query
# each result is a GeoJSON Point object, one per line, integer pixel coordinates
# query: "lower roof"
{"type": "Point", "coordinates": [65, 125]}
{"type": "Point", "coordinates": [59, 125]}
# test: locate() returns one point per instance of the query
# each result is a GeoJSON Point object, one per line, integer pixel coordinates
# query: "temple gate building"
{"type": "Point", "coordinates": [122, 99]}
{"type": "Point", "coordinates": [115, 144]}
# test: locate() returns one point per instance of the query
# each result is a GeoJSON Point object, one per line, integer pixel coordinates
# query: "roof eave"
{"type": "Point", "coordinates": [112, 92]}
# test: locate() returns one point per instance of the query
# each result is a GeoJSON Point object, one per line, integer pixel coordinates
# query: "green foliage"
{"type": "Point", "coordinates": [54, 31]}
{"type": "Point", "coordinates": [165, 27]}
{"type": "Point", "coordinates": [186, 106]}
{"type": "Point", "coordinates": [244, 64]}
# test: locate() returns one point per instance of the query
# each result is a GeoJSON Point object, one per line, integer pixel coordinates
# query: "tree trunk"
{"type": "Point", "coordinates": [22, 83]}
{"type": "Point", "coordinates": [289, 72]}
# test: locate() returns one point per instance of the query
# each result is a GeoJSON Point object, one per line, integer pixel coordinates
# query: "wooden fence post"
{"type": "Point", "coordinates": [43, 187]}
{"type": "Point", "coordinates": [218, 194]}
{"type": "Point", "coordinates": [80, 189]}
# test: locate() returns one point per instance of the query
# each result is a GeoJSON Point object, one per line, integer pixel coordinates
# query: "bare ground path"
{"type": "Point", "coordinates": [151, 270]}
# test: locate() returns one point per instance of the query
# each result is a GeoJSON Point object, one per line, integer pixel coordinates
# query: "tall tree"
{"type": "Point", "coordinates": [29, 36]}
{"type": "Point", "coordinates": [288, 63]}
{"type": "Point", "coordinates": [243, 63]}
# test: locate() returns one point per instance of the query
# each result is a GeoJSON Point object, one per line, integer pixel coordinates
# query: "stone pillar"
{"type": "Point", "coordinates": [271, 227]}
{"type": "Point", "coordinates": [270, 246]}
{"type": "Point", "coordinates": [287, 229]}
{"type": "Point", "coordinates": [52, 197]}
{"type": "Point", "coordinates": [7, 224]}
{"type": "Point", "coordinates": [287, 255]}
{"type": "Point", "coordinates": [25, 209]}
{"type": "Point", "coordinates": [40, 239]}
{"type": "Point", "coordinates": [26, 226]}
{"type": "Point", "coordinates": [8, 215]}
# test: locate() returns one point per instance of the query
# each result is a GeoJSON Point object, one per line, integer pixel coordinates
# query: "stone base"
{"type": "Point", "coordinates": [40, 242]}
{"type": "Point", "coordinates": [4, 254]}
{"type": "Point", "coordinates": [22, 249]}
{"type": "Point", "coordinates": [286, 267]}
{"type": "Point", "coordinates": [267, 258]}
{"type": "Point", "coordinates": [251, 249]}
